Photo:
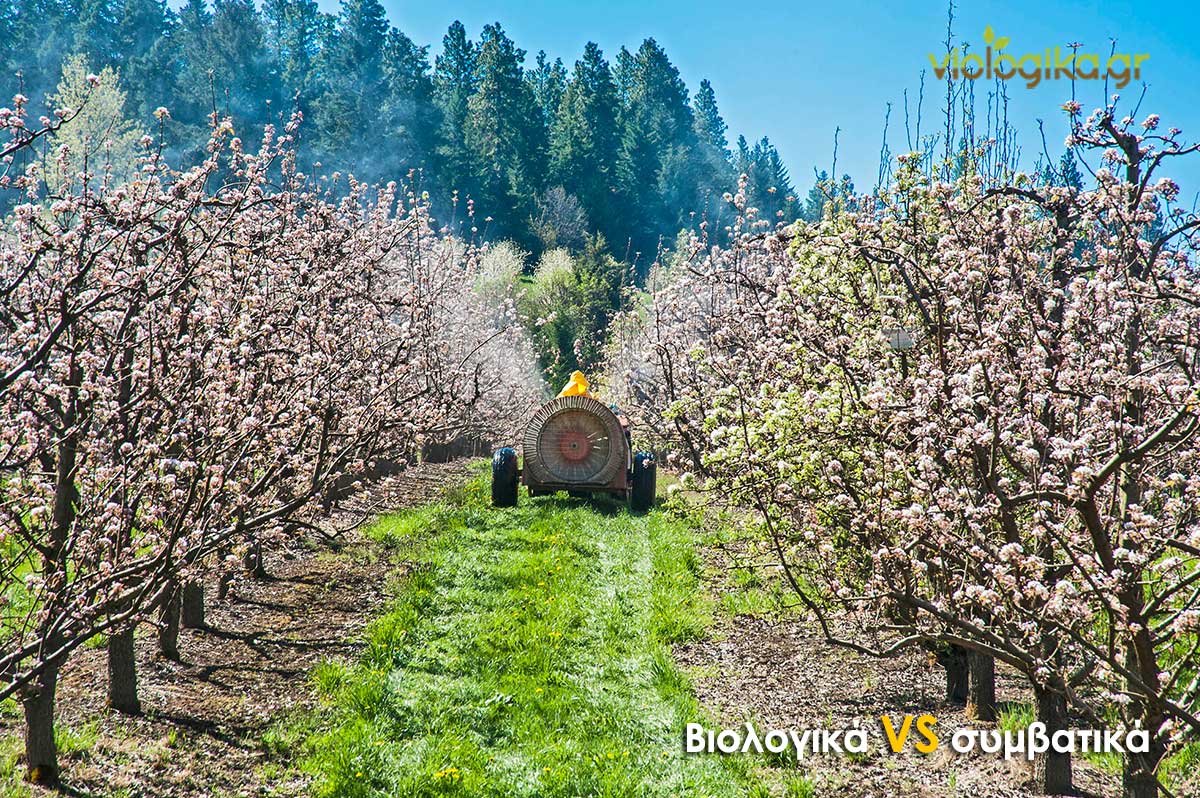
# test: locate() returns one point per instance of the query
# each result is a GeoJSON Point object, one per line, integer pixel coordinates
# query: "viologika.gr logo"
{"type": "Point", "coordinates": [1054, 63]}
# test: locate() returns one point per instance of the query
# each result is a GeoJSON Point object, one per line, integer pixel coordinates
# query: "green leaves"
{"type": "Point", "coordinates": [997, 43]}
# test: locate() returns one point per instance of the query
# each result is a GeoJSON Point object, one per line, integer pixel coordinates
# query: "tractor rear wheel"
{"type": "Point", "coordinates": [641, 494]}
{"type": "Point", "coordinates": [504, 477]}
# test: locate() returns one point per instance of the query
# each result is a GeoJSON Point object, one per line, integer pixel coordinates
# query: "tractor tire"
{"type": "Point", "coordinates": [504, 477]}
{"type": "Point", "coordinates": [641, 494]}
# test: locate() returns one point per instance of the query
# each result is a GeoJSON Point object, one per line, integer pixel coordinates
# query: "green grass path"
{"type": "Point", "coordinates": [526, 655]}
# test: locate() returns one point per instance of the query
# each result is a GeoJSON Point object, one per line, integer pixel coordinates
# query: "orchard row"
{"type": "Point", "coordinates": [966, 411]}
{"type": "Point", "coordinates": [193, 364]}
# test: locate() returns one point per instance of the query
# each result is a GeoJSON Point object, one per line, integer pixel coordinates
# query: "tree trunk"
{"type": "Point", "coordinates": [254, 561]}
{"type": "Point", "coordinates": [953, 659]}
{"type": "Point", "coordinates": [1052, 770]}
{"type": "Point", "coordinates": [122, 674]}
{"type": "Point", "coordinates": [168, 630]}
{"type": "Point", "coordinates": [191, 614]}
{"type": "Point", "coordinates": [981, 693]}
{"type": "Point", "coordinates": [1139, 778]}
{"type": "Point", "coordinates": [41, 754]}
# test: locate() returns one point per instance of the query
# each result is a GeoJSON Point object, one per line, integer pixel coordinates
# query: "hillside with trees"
{"type": "Point", "coordinates": [509, 145]}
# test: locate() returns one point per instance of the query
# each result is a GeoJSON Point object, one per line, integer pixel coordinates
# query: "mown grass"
{"type": "Point", "coordinates": [75, 742]}
{"type": "Point", "coordinates": [527, 654]}
{"type": "Point", "coordinates": [11, 749]}
{"type": "Point", "coordinates": [751, 583]}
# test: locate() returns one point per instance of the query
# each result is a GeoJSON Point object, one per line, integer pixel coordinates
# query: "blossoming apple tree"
{"type": "Point", "coordinates": [191, 363]}
{"type": "Point", "coordinates": [968, 415]}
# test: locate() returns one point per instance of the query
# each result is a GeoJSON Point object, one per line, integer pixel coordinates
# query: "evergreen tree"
{"type": "Point", "coordinates": [814, 201]}
{"type": "Point", "coordinates": [1067, 173]}
{"type": "Point", "coordinates": [825, 193]}
{"type": "Point", "coordinates": [292, 35]}
{"type": "Point", "coordinates": [363, 27]}
{"type": "Point", "coordinates": [412, 118]}
{"type": "Point", "coordinates": [777, 185]}
{"type": "Point", "coordinates": [658, 98]}
{"type": "Point", "coordinates": [623, 77]}
{"type": "Point", "coordinates": [585, 140]}
{"type": "Point", "coordinates": [714, 173]}
{"type": "Point", "coordinates": [144, 44]}
{"type": "Point", "coordinates": [1068, 167]}
{"type": "Point", "coordinates": [7, 27]}
{"type": "Point", "coordinates": [237, 57]}
{"type": "Point", "coordinates": [657, 173]}
{"type": "Point", "coordinates": [600, 278]}
{"type": "Point", "coordinates": [741, 158]}
{"type": "Point", "coordinates": [710, 127]}
{"type": "Point", "coordinates": [43, 35]}
{"type": "Point", "coordinates": [548, 82]}
{"type": "Point", "coordinates": [506, 136]}
{"type": "Point", "coordinates": [454, 80]}
{"type": "Point", "coordinates": [94, 31]}
{"type": "Point", "coordinates": [769, 187]}
{"type": "Point", "coordinates": [194, 98]}
{"type": "Point", "coordinates": [351, 114]}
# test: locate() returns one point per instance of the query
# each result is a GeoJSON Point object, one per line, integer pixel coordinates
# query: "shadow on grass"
{"type": "Point", "coordinates": [604, 504]}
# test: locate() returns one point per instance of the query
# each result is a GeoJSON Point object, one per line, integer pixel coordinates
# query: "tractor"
{"type": "Point", "coordinates": [578, 444]}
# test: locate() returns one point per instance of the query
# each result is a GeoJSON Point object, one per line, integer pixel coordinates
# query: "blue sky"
{"type": "Point", "coordinates": [795, 71]}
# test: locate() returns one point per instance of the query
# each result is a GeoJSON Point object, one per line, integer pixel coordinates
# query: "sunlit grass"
{"type": "Point", "coordinates": [12, 770]}
{"type": "Point", "coordinates": [1181, 768]}
{"type": "Point", "coordinates": [527, 653]}
{"type": "Point", "coordinates": [1015, 716]}
{"type": "Point", "coordinates": [74, 741]}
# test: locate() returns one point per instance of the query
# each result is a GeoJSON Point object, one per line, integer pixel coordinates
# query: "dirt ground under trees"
{"type": "Point", "coordinates": [776, 671]}
{"type": "Point", "coordinates": [222, 722]}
